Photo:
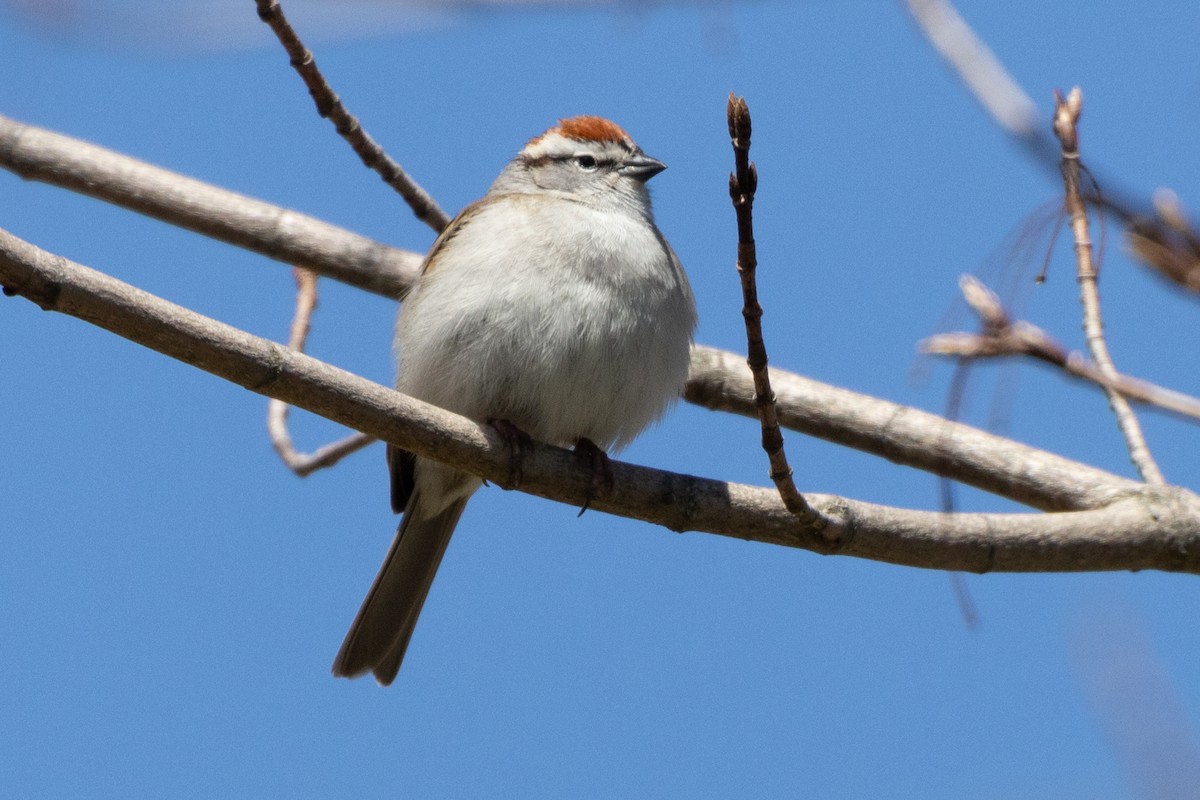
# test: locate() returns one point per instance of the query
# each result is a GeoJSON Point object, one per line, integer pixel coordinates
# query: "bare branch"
{"type": "Point", "coordinates": [304, 464]}
{"type": "Point", "coordinates": [1150, 528]}
{"type": "Point", "coordinates": [907, 435]}
{"type": "Point", "coordinates": [1066, 117]}
{"type": "Point", "coordinates": [272, 231]}
{"type": "Point", "coordinates": [743, 182]}
{"type": "Point", "coordinates": [719, 379]}
{"type": "Point", "coordinates": [329, 105]}
{"type": "Point", "coordinates": [1002, 337]}
{"type": "Point", "coordinates": [1136, 389]}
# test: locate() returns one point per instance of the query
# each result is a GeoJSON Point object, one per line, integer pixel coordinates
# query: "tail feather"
{"type": "Point", "coordinates": [380, 633]}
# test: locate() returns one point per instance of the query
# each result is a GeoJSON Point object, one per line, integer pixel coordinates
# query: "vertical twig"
{"type": "Point", "coordinates": [329, 105]}
{"type": "Point", "coordinates": [742, 184]}
{"type": "Point", "coordinates": [277, 411]}
{"type": "Point", "coordinates": [1066, 118]}
{"type": "Point", "coordinates": [967, 609]}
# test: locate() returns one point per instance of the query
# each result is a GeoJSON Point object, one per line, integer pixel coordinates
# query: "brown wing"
{"type": "Point", "coordinates": [401, 462]}
{"type": "Point", "coordinates": [449, 232]}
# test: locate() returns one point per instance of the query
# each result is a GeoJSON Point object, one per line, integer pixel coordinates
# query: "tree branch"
{"type": "Point", "coordinates": [906, 435]}
{"type": "Point", "coordinates": [718, 381]}
{"type": "Point", "coordinates": [743, 182]}
{"type": "Point", "coordinates": [982, 73]}
{"type": "Point", "coordinates": [1003, 337]}
{"type": "Point", "coordinates": [304, 464]}
{"type": "Point", "coordinates": [287, 236]}
{"type": "Point", "coordinates": [1066, 118]}
{"type": "Point", "coordinates": [330, 106]}
{"type": "Point", "coordinates": [1151, 528]}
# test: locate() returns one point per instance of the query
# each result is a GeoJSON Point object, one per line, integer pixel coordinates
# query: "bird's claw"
{"type": "Point", "coordinates": [602, 477]}
{"type": "Point", "coordinates": [518, 442]}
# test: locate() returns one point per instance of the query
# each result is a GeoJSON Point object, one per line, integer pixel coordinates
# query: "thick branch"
{"type": "Point", "coordinates": [287, 236]}
{"type": "Point", "coordinates": [982, 73]}
{"type": "Point", "coordinates": [1155, 528]}
{"type": "Point", "coordinates": [719, 379]}
{"type": "Point", "coordinates": [906, 436]}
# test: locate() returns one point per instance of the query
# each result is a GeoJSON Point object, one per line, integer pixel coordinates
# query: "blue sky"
{"type": "Point", "coordinates": [175, 597]}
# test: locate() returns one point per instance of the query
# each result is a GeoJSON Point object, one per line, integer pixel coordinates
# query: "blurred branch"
{"type": "Point", "coordinates": [1002, 337]}
{"type": "Point", "coordinates": [719, 380]}
{"type": "Point", "coordinates": [304, 464]}
{"type": "Point", "coordinates": [1150, 528]}
{"type": "Point", "coordinates": [1066, 118]}
{"type": "Point", "coordinates": [330, 106]}
{"type": "Point", "coordinates": [1138, 706]}
{"type": "Point", "coordinates": [278, 233]}
{"type": "Point", "coordinates": [982, 73]}
{"type": "Point", "coordinates": [1167, 242]}
{"type": "Point", "coordinates": [1172, 250]}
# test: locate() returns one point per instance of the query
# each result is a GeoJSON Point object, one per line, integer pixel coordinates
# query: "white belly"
{"type": "Point", "coordinates": [593, 346]}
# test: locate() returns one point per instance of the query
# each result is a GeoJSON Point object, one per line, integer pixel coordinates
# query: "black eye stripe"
{"type": "Point", "coordinates": [587, 161]}
{"type": "Point", "coordinates": [575, 158]}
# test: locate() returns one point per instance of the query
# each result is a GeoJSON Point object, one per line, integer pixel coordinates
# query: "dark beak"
{"type": "Point", "coordinates": [642, 167]}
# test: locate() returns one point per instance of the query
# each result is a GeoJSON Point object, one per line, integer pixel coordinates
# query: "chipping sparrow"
{"type": "Point", "coordinates": [553, 304]}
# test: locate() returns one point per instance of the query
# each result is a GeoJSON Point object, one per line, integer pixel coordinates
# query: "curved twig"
{"type": "Point", "coordinates": [304, 464]}
{"type": "Point", "coordinates": [1171, 249]}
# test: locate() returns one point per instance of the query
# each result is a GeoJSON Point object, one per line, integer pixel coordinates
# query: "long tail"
{"type": "Point", "coordinates": [380, 633]}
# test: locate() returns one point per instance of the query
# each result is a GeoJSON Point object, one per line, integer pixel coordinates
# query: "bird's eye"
{"type": "Point", "coordinates": [586, 163]}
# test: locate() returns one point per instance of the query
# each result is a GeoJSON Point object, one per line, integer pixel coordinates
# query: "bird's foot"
{"type": "Point", "coordinates": [602, 477]}
{"type": "Point", "coordinates": [518, 442]}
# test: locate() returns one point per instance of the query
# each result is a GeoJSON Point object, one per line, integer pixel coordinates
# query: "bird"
{"type": "Point", "coordinates": [552, 306]}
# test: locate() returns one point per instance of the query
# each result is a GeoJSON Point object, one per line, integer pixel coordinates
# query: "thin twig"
{"type": "Point", "coordinates": [1066, 117]}
{"type": "Point", "coordinates": [330, 106]}
{"type": "Point", "coordinates": [304, 464]}
{"type": "Point", "coordinates": [967, 609]}
{"type": "Point", "coordinates": [964, 600]}
{"type": "Point", "coordinates": [1002, 337]}
{"type": "Point", "coordinates": [1136, 389]}
{"type": "Point", "coordinates": [742, 184]}
{"type": "Point", "coordinates": [1148, 528]}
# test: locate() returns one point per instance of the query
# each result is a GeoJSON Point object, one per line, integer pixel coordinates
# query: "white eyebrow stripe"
{"type": "Point", "coordinates": [554, 145]}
